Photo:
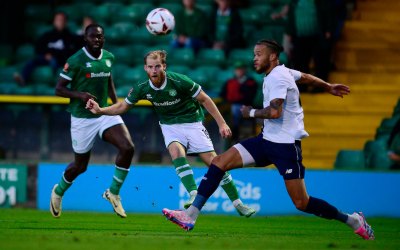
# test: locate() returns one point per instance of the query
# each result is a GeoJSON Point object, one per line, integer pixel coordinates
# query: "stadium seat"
{"type": "Point", "coordinates": [43, 74]}
{"type": "Point", "coordinates": [250, 16]}
{"type": "Point", "coordinates": [379, 160]}
{"type": "Point", "coordinates": [212, 57]}
{"type": "Point", "coordinates": [7, 73]}
{"type": "Point", "coordinates": [100, 12]}
{"type": "Point", "coordinates": [124, 90]}
{"type": "Point", "coordinates": [181, 69]}
{"type": "Point", "coordinates": [44, 89]}
{"type": "Point", "coordinates": [24, 53]}
{"type": "Point", "coordinates": [172, 7]}
{"type": "Point", "coordinates": [35, 29]}
{"type": "Point", "coordinates": [181, 56]}
{"type": "Point", "coordinates": [117, 71]}
{"type": "Point", "coordinates": [350, 159]}
{"type": "Point", "coordinates": [140, 36]}
{"type": "Point", "coordinates": [200, 77]}
{"type": "Point", "coordinates": [122, 54]}
{"type": "Point", "coordinates": [7, 88]}
{"type": "Point", "coordinates": [242, 55]}
{"type": "Point", "coordinates": [373, 146]}
{"type": "Point", "coordinates": [135, 13]}
{"type": "Point", "coordinates": [223, 76]}
{"type": "Point", "coordinates": [74, 14]}
{"type": "Point", "coordinates": [38, 12]}
{"type": "Point", "coordinates": [118, 32]}
{"type": "Point", "coordinates": [26, 90]}
{"type": "Point", "coordinates": [133, 75]}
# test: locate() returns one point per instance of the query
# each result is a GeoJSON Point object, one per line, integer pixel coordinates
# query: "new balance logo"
{"type": "Point", "coordinates": [289, 171]}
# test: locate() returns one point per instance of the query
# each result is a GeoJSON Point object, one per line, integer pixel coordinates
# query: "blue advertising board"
{"type": "Point", "coordinates": [148, 189]}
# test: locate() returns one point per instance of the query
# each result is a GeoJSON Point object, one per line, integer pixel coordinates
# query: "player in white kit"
{"type": "Point", "coordinates": [279, 143]}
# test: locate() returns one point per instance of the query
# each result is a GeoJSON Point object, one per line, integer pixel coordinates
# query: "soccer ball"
{"type": "Point", "coordinates": [160, 21]}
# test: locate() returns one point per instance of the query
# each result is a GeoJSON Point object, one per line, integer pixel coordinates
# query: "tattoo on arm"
{"type": "Point", "coordinates": [273, 111]}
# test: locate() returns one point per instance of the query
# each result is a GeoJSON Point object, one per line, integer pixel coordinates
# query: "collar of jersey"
{"type": "Point", "coordinates": [162, 86]}
{"type": "Point", "coordinates": [92, 57]}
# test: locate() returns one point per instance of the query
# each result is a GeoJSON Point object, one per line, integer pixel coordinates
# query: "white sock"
{"type": "Point", "coordinates": [237, 202]}
{"type": "Point", "coordinates": [193, 192]}
{"type": "Point", "coordinates": [353, 221]}
{"type": "Point", "coordinates": [193, 212]}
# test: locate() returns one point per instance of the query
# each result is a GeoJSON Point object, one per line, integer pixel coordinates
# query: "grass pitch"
{"type": "Point", "coordinates": [32, 229]}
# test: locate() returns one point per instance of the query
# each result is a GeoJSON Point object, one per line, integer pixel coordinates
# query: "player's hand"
{"type": "Point", "coordinates": [337, 89]}
{"type": "Point", "coordinates": [93, 106]}
{"type": "Point", "coordinates": [245, 111]}
{"type": "Point", "coordinates": [225, 131]}
{"type": "Point", "coordinates": [85, 97]}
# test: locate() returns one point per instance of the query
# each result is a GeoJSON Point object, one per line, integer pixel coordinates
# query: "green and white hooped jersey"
{"type": "Point", "coordinates": [88, 74]}
{"type": "Point", "coordinates": [174, 102]}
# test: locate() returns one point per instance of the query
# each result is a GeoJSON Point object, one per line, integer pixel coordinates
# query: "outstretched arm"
{"type": "Point", "coordinates": [115, 109]}
{"type": "Point", "coordinates": [335, 89]}
{"type": "Point", "coordinates": [273, 111]}
{"type": "Point", "coordinates": [210, 106]}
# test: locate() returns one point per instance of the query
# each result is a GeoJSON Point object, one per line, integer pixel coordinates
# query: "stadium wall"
{"type": "Point", "coordinates": [148, 189]}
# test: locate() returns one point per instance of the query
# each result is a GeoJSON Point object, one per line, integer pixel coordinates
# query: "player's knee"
{"type": "Point", "coordinates": [218, 161]}
{"type": "Point", "coordinates": [127, 149]}
{"type": "Point", "coordinates": [300, 204]}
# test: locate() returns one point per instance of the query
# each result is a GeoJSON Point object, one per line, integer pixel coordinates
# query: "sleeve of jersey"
{"type": "Point", "coordinates": [68, 71]}
{"type": "Point", "coordinates": [295, 73]}
{"type": "Point", "coordinates": [132, 97]}
{"type": "Point", "coordinates": [191, 87]}
{"type": "Point", "coordinates": [279, 89]}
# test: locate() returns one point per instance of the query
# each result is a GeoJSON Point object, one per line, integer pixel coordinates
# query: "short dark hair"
{"type": "Point", "coordinates": [272, 45]}
{"type": "Point", "coordinates": [93, 25]}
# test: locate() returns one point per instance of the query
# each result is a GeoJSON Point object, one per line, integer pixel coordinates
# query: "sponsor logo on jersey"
{"type": "Point", "coordinates": [88, 65]}
{"type": "Point", "coordinates": [96, 75]}
{"type": "Point", "coordinates": [108, 63]}
{"type": "Point", "coordinates": [166, 103]}
{"type": "Point", "coordinates": [172, 92]}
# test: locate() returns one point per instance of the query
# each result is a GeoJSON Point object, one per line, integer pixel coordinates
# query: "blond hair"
{"type": "Point", "coordinates": [156, 54]}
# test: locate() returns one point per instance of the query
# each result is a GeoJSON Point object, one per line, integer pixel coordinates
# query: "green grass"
{"type": "Point", "coordinates": [32, 229]}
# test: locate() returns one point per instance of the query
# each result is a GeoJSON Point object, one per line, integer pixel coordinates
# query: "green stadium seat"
{"type": "Point", "coordinates": [135, 13]}
{"type": "Point", "coordinates": [26, 90]}
{"type": "Point", "coordinates": [224, 75]}
{"type": "Point", "coordinates": [24, 53]}
{"type": "Point", "coordinates": [43, 74]}
{"type": "Point", "coordinates": [8, 88]}
{"type": "Point", "coordinates": [44, 89]}
{"type": "Point", "coordinates": [213, 57]}
{"type": "Point", "coordinates": [283, 58]}
{"type": "Point", "coordinates": [379, 160]}
{"type": "Point", "coordinates": [181, 56]}
{"type": "Point", "coordinates": [117, 71]}
{"type": "Point", "coordinates": [100, 13]}
{"type": "Point", "coordinates": [74, 14]}
{"type": "Point", "coordinates": [250, 16]}
{"type": "Point", "coordinates": [350, 159]}
{"type": "Point", "coordinates": [140, 36]}
{"type": "Point", "coordinates": [172, 7]}
{"type": "Point", "coordinates": [181, 69]}
{"type": "Point", "coordinates": [7, 73]}
{"type": "Point", "coordinates": [126, 54]}
{"type": "Point", "coordinates": [200, 77]}
{"type": "Point", "coordinates": [242, 55]}
{"type": "Point", "coordinates": [123, 91]}
{"type": "Point", "coordinates": [39, 12]}
{"type": "Point", "coordinates": [133, 75]}
{"type": "Point", "coordinates": [373, 146]}
{"type": "Point", "coordinates": [161, 40]}
{"type": "Point", "coordinates": [33, 30]}
{"type": "Point", "coordinates": [118, 32]}
{"type": "Point", "coordinates": [206, 7]}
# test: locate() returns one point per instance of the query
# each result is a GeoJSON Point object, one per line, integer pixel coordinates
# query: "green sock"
{"type": "Point", "coordinates": [118, 179]}
{"type": "Point", "coordinates": [185, 173]}
{"type": "Point", "coordinates": [229, 187]}
{"type": "Point", "coordinates": [63, 186]}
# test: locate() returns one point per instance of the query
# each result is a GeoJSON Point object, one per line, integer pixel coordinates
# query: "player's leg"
{"type": "Point", "coordinates": [83, 133]}
{"type": "Point", "coordinates": [228, 185]}
{"type": "Point", "coordinates": [288, 160]}
{"type": "Point", "coordinates": [176, 143]}
{"type": "Point", "coordinates": [114, 131]}
{"type": "Point", "coordinates": [183, 170]}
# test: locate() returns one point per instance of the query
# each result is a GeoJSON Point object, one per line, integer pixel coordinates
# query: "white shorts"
{"type": "Point", "coordinates": [193, 136]}
{"type": "Point", "coordinates": [84, 130]}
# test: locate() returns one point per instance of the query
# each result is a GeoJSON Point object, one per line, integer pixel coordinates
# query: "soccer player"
{"type": "Point", "coordinates": [89, 73]}
{"type": "Point", "coordinates": [279, 143]}
{"type": "Point", "coordinates": [177, 99]}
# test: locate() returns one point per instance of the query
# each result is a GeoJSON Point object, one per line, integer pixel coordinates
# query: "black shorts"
{"type": "Point", "coordinates": [285, 156]}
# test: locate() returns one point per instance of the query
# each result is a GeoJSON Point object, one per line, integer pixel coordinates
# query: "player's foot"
{"type": "Point", "coordinates": [190, 201]}
{"type": "Point", "coordinates": [180, 218]}
{"type": "Point", "coordinates": [365, 230]}
{"type": "Point", "coordinates": [55, 203]}
{"type": "Point", "coordinates": [245, 210]}
{"type": "Point", "coordinates": [115, 201]}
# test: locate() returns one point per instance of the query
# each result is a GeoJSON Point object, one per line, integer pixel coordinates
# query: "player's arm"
{"type": "Point", "coordinates": [273, 111]}
{"type": "Point", "coordinates": [115, 109]}
{"type": "Point", "coordinates": [63, 91]}
{"type": "Point", "coordinates": [210, 106]}
{"type": "Point", "coordinates": [111, 90]}
{"type": "Point", "coordinates": [335, 89]}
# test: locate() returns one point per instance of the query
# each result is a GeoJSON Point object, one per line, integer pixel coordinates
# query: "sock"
{"type": "Point", "coordinates": [230, 188]}
{"type": "Point", "coordinates": [63, 186]}
{"type": "Point", "coordinates": [193, 212]}
{"type": "Point", "coordinates": [353, 221]}
{"type": "Point", "coordinates": [185, 173]}
{"type": "Point", "coordinates": [118, 179]}
{"type": "Point", "coordinates": [208, 186]}
{"type": "Point", "coordinates": [325, 210]}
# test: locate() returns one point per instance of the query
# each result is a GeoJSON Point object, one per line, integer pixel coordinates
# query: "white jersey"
{"type": "Point", "coordinates": [280, 83]}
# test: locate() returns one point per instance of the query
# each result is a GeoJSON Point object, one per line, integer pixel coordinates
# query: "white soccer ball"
{"type": "Point", "coordinates": [160, 21]}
